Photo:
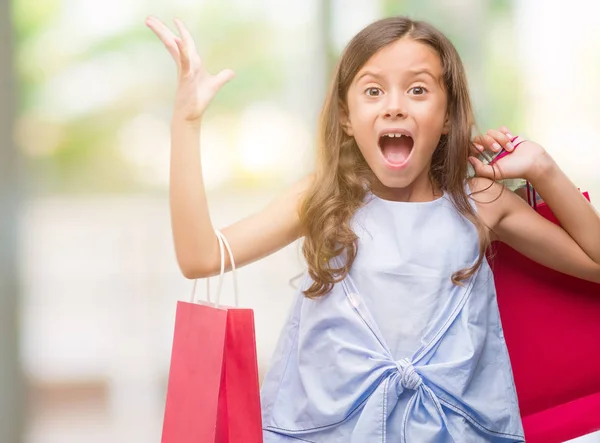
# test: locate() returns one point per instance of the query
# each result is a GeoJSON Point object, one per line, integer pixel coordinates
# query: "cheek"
{"type": "Point", "coordinates": [362, 115]}
{"type": "Point", "coordinates": [435, 118]}
{"type": "Point", "coordinates": [357, 124]}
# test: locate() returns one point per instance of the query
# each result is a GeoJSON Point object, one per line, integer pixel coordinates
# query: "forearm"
{"type": "Point", "coordinates": [193, 233]}
{"type": "Point", "coordinates": [575, 214]}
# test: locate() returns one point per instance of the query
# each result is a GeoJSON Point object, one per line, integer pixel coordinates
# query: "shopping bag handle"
{"type": "Point", "coordinates": [532, 196]}
{"type": "Point", "coordinates": [531, 192]}
{"type": "Point", "coordinates": [223, 244]}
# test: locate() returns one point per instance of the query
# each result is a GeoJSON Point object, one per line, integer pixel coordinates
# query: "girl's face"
{"type": "Point", "coordinates": [397, 111]}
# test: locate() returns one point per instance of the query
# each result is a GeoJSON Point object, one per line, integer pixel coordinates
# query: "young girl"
{"type": "Point", "coordinates": [395, 335]}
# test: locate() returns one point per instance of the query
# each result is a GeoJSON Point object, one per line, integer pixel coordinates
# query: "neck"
{"type": "Point", "coordinates": [423, 189]}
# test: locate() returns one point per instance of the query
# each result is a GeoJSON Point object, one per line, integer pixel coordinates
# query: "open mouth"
{"type": "Point", "coordinates": [396, 148]}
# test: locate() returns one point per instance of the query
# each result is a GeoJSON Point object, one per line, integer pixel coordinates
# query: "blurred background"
{"type": "Point", "coordinates": [88, 278]}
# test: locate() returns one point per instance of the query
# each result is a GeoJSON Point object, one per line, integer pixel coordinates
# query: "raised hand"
{"type": "Point", "coordinates": [518, 158]}
{"type": "Point", "coordinates": [196, 86]}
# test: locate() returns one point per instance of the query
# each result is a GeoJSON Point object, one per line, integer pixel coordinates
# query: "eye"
{"type": "Point", "coordinates": [418, 90]}
{"type": "Point", "coordinates": [373, 92]}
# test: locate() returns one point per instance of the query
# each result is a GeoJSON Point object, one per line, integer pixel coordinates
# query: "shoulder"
{"type": "Point", "coordinates": [484, 187]}
{"type": "Point", "coordinates": [492, 200]}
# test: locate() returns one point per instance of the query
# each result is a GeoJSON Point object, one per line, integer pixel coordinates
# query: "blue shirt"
{"type": "Point", "coordinates": [396, 352]}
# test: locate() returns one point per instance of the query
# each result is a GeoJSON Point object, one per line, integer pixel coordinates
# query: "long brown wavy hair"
{"type": "Point", "coordinates": [342, 175]}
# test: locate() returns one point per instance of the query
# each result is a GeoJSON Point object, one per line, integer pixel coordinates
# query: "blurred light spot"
{"type": "Point", "coordinates": [217, 149]}
{"type": "Point", "coordinates": [99, 19]}
{"type": "Point", "coordinates": [90, 85]}
{"type": "Point", "coordinates": [144, 142]}
{"type": "Point", "coordinates": [350, 16]}
{"type": "Point", "coordinates": [38, 137]}
{"type": "Point", "coordinates": [271, 141]}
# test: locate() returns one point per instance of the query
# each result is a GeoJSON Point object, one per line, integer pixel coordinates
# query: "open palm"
{"type": "Point", "coordinates": [196, 86]}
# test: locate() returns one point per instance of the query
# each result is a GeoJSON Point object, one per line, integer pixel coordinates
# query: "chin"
{"type": "Point", "coordinates": [396, 176]}
{"type": "Point", "coordinates": [395, 181]}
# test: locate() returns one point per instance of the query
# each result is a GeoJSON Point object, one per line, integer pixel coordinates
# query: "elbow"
{"type": "Point", "coordinates": [190, 272]}
{"type": "Point", "coordinates": [193, 269]}
{"type": "Point", "coordinates": [592, 275]}
{"type": "Point", "coordinates": [196, 262]}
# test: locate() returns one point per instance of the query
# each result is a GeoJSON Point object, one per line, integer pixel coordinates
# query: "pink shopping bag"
{"type": "Point", "coordinates": [213, 388]}
{"type": "Point", "coordinates": [552, 330]}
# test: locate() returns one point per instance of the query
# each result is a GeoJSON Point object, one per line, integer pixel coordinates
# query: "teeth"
{"type": "Point", "coordinates": [394, 135]}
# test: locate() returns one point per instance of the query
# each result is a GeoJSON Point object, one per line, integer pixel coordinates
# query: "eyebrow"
{"type": "Point", "coordinates": [413, 72]}
{"type": "Point", "coordinates": [417, 72]}
{"type": "Point", "coordinates": [366, 74]}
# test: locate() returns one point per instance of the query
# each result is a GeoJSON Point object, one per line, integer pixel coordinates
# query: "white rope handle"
{"type": "Point", "coordinates": [233, 271]}
{"type": "Point", "coordinates": [223, 244]}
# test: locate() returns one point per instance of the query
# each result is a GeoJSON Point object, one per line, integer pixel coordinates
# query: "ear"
{"type": "Point", "coordinates": [446, 128]}
{"type": "Point", "coordinates": [346, 123]}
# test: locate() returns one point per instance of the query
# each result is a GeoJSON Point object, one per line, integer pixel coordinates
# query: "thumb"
{"type": "Point", "coordinates": [223, 77]}
{"type": "Point", "coordinates": [482, 170]}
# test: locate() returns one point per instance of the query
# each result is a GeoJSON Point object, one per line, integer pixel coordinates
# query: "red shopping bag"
{"type": "Point", "coordinates": [551, 326]}
{"type": "Point", "coordinates": [213, 387]}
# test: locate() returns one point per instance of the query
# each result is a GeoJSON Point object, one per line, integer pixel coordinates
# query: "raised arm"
{"type": "Point", "coordinates": [572, 248]}
{"type": "Point", "coordinates": [196, 245]}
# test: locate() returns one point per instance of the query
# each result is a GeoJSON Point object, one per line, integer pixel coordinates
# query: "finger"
{"type": "Point", "coordinates": [165, 35]}
{"type": "Point", "coordinates": [183, 56]}
{"type": "Point", "coordinates": [186, 36]}
{"type": "Point", "coordinates": [501, 138]}
{"type": "Point", "coordinates": [481, 169]}
{"type": "Point", "coordinates": [516, 141]}
{"type": "Point", "coordinates": [223, 77]}
{"type": "Point", "coordinates": [487, 142]}
{"type": "Point", "coordinates": [475, 149]}
{"type": "Point", "coordinates": [482, 140]}
{"type": "Point", "coordinates": [506, 131]}
{"type": "Point", "coordinates": [478, 143]}
{"type": "Point", "coordinates": [482, 153]}
{"type": "Point", "coordinates": [478, 147]}
{"type": "Point", "coordinates": [183, 31]}
{"type": "Point", "coordinates": [477, 140]}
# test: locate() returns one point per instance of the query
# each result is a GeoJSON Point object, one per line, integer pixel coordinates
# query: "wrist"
{"type": "Point", "coordinates": [182, 120]}
{"type": "Point", "coordinates": [543, 169]}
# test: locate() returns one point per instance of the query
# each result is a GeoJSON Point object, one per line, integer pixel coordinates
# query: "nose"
{"type": "Point", "coordinates": [395, 107]}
